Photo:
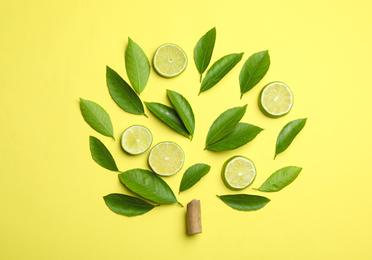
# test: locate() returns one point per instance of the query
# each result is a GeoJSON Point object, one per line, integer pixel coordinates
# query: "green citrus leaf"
{"type": "Point", "coordinates": [101, 154]}
{"type": "Point", "coordinates": [127, 205]}
{"type": "Point", "coordinates": [203, 51]}
{"type": "Point", "coordinates": [193, 174]}
{"type": "Point", "coordinates": [244, 202]}
{"type": "Point", "coordinates": [280, 179]}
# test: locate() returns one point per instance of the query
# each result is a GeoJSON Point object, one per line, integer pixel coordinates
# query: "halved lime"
{"type": "Point", "coordinates": [238, 172]}
{"type": "Point", "coordinates": [169, 60]}
{"type": "Point", "coordinates": [276, 99]}
{"type": "Point", "coordinates": [166, 158]}
{"type": "Point", "coordinates": [136, 139]}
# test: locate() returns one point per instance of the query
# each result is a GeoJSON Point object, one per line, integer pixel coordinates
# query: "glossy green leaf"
{"type": "Point", "coordinates": [184, 110]}
{"type": "Point", "coordinates": [287, 134]}
{"type": "Point", "coordinates": [244, 202]}
{"type": "Point", "coordinates": [127, 205]}
{"type": "Point", "coordinates": [169, 116]}
{"type": "Point", "coordinates": [242, 134]}
{"type": "Point", "coordinates": [96, 117]}
{"type": "Point", "coordinates": [203, 51]}
{"type": "Point", "coordinates": [193, 174]}
{"type": "Point", "coordinates": [101, 154]}
{"type": "Point", "coordinates": [224, 124]}
{"type": "Point", "coordinates": [219, 69]}
{"type": "Point", "coordinates": [137, 66]}
{"type": "Point", "coordinates": [148, 185]}
{"type": "Point", "coordinates": [280, 179]}
{"type": "Point", "coordinates": [254, 69]}
{"type": "Point", "coordinates": [123, 94]}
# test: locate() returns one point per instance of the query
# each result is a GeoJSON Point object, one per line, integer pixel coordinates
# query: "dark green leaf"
{"type": "Point", "coordinates": [242, 134]}
{"type": "Point", "coordinates": [148, 185]}
{"type": "Point", "coordinates": [244, 202]}
{"type": "Point", "coordinates": [219, 69]}
{"type": "Point", "coordinates": [96, 117]}
{"type": "Point", "coordinates": [224, 124]}
{"type": "Point", "coordinates": [287, 134]}
{"type": "Point", "coordinates": [193, 174]}
{"type": "Point", "coordinates": [254, 69]}
{"type": "Point", "coordinates": [203, 51]}
{"type": "Point", "coordinates": [123, 94]}
{"type": "Point", "coordinates": [137, 66]}
{"type": "Point", "coordinates": [183, 109]}
{"type": "Point", "coordinates": [280, 179]}
{"type": "Point", "coordinates": [169, 116]}
{"type": "Point", "coordinates": [101, 155]}
{"type": "Point", "coordinates": [127, 205]}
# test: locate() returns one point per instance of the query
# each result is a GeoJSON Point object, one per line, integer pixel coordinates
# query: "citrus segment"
{"type": "Point", "coordinates": [276, 99]}
{"type": "Point", "coordinates": [166, 158]}
{"type": "Point", "coordinates": [238, 172]}
{"type": "Point", "coordinates": [136, 139]}
{"type": "Point", "coordinates": [169, 60]}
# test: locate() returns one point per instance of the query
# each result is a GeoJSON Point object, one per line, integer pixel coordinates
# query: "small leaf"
{"type": "Point", "coordinates": [169, 116]}
{"type": "Point", "coordinates": [203, 51]}
{"type": "Point", "coordinates": [127, 205]}
{"type": "Point", "coordinates": [193, 174]}
{"type": "Point", "coordinates": [137, 66]}
{"type": "Point", "coordinates": [123, 94]}
{"type": "Point", "coordinates": [254, 69]}
{"type": "Point", "coordinates": [101, 155]}
{"type": "Point", "coordinates": [287, 134]}
{"type": "Point", "coordinates": [183, 109]}
{"type": "Point", "coordinates": [219, 69]}
{"type": "Point", "coordinates": [96, 117]}
{"type": "Point", "coordinates": [224, 124]}
{"type": "Point", "coordinates": [148, 185]}
{"type": "Point", "coordinates": [242, 134]}
{"type": "Point", "coordinates": [244, 202]}
{"type": "Point", "coordinates": [280, 179]}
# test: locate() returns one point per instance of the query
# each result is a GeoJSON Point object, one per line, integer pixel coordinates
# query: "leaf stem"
{"type": "Point", "coordinates": [179, 203]}
{"type": "Point", "coordinates": [201, 78]}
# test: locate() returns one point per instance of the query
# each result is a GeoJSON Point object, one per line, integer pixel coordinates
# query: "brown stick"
{"type": "Point", "coordinates": [193, 217]}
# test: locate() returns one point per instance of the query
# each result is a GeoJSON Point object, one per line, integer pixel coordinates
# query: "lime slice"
{"type": "Point", "coordinates": [136, 139]}
{"type": "Point", "coordinates": [238, 172]}
{"type": "Point", "coordinates": [276, 99]}
{"type": "Point", "coordinates": [169, 60]}
{"type": "Point", "coordinates": [166, 158]}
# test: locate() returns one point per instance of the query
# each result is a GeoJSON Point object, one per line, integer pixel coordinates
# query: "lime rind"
{"type": "Point", "coordinates": [264, 109]}
{"type": "Point", "coordinates": [129, 151]}
{"type": "Point", "coordinates": [153, 168]}
{"type": "Point", "coordinates": [163, 74]}
{"type": "Point", "coordinates": [225, 167]}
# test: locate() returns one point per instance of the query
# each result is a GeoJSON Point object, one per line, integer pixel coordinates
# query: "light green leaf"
{"type": "Point", "coordinates": [219, 70]}
{"type": "Point", "coordinates": [137, 66]}
{"type": "Point", "coordinates": [242, 134]}
{"type": "Point", "coordinates": [123, 94]}
{"type": "Point", "coordinates": [101, 154]}
{"type": "Point", "coordinates": [127, 205]}
{"type": "Point", "coordinates": [96, 117]}
{"type": "Point", "coordinates": [280, 179]}
{"type": "Point", "coordinates": [203, 51]}
{"type": "Point", "coordinates": [193, 174]}
{"type": "Point", "coordinates": [254, 69]}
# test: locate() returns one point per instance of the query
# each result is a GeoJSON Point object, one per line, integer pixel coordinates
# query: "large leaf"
{"type": "Point", "coordinates": [127, 205]}
{"type": "Point", "coordinates": [122, 93]}
{"type": "Point", "coordinates": [224, 124]}
{"type": "Point", "coordinates": [193, 174]}
{"type": "Point", "coordinates": [169, 116]}
{"type": "Point", "coordinates": [254, 69]}
{"type": "Point", "coordinates": [96, 117]}
{"type": "Point", "coordinates": [244, 202]}
{"type": "Point", "coordinates": [148, 185]}
{"type": "Point", "coordinates": [184, 110]}
{"type": "Point", "coordinates": [101, 154]}
{"type": "Point", "coordinates": [219, 69]}
{"type": "Point", "coordinates": [242, 134]}
{"type": "Point", "coordinates": [287, 134]}
{"type": "Point", "coordinates": [137, 66]}
{"type": "Point", "coordinates": [280, 179]}
{"type": "Point", "coordinates": [203, 51]}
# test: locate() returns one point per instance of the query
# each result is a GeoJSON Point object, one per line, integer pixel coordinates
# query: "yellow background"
{"type": "Point", "coordinates": [53, 52]}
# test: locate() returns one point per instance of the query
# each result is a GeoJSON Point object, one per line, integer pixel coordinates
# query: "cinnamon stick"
{"type": "Point", "coordinates": [193, 217]}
